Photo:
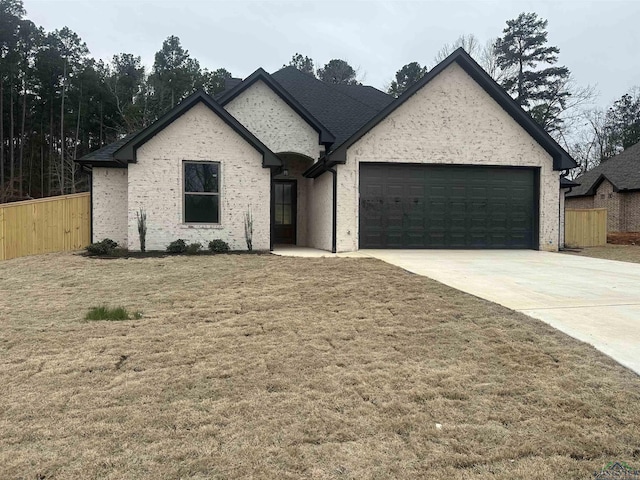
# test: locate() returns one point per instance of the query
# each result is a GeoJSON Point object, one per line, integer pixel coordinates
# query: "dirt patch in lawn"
{"type": "Point", "coordinates": [273, 367]}
{"type": "Point", "coordinates": [624, 238]}
{"type": "Point", "coordinates": [622, 253]}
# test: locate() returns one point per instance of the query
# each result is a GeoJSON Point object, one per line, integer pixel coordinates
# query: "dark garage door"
{"type": "Point", "coordinates": [434, 206]}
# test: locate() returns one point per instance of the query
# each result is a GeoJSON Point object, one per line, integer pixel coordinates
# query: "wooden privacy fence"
{"type": "Point", "coordinates": [54, 224]}
{"type": "Point", "coordinates": [585, 228]}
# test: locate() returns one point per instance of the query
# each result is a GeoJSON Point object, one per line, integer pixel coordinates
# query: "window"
{"type": "Point", "coordinates": [201, 192]}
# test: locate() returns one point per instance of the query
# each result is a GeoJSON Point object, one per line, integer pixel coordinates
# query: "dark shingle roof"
{"type": "Point", "coordinates": [566, 183]}
{"type": "Point", "coordinates": [366, 94]}
{"type": "Point", "coordinates": [623, 171]}
{"type": "Point", "coordinates": [104, 156]}
{"type": "Point", "coordinates": [342, 110]}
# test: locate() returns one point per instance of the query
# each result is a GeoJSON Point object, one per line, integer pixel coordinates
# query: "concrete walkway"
{"type": "Point", "coordinates": [594, 300]}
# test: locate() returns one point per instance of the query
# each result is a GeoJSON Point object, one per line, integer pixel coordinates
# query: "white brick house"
{"type": "Point", "coordinates": [452, 163]}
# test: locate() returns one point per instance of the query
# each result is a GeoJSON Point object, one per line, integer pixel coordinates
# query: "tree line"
{"type": "Point", "coordinates": [57, 103]}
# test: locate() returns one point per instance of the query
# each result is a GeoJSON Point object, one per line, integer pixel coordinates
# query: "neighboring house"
{"type": "Point", "coordinates": [452, 163]}
{"type": "Point", "coordinates": [614, 185]}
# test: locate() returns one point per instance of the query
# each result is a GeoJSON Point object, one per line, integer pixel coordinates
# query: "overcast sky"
{"type": "Point", "coordinates": [599, 40]}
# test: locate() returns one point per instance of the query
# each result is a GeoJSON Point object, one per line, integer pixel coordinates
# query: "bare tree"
{"type": "Point", "coordinates": [483, 53]}
{"type": "Point", "coordinates": [588, 142]}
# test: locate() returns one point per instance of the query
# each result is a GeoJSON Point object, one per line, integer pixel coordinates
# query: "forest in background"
{"type": "Point", "coordinates": [57, 103]}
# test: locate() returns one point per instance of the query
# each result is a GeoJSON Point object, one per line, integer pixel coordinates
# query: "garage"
{"type": "Point", "coordinates": [447, 206]}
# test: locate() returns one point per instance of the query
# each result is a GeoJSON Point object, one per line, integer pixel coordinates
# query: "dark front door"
{"type": "Point", "coordinates": [284, 198]}
{"type": "Point", "coordinates": [437, 206]}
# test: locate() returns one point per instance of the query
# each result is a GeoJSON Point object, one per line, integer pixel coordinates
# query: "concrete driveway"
{"type": "Point", "coordinates": [594, 300]}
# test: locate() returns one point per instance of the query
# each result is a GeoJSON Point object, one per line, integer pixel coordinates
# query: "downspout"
{"type": "Point", "coordinates": [335, 210]}
{"type": "Point", "coordinates": [560, 212]}
{"type": "Point", "coordinates": [560, 227]}
{"type": "Point", "coordinates": [271, 209]}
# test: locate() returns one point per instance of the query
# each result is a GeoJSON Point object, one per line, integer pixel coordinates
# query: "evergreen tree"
{"type": "Point", "coordinates": [213, 82]}
{"type": "Point", "coordinates": [125, 77]}
{"type": "Point", "coordinates": [405, 77]}
{"type": "Point", "coordinates": [175, 75]}
{"type": "Point", "coordinates": [534, 80]}
{"type": "Point", "coordinates": [304, 64]}
{"type": "Point", "coordinates": [338, 71]}
{"type": "Point", "coordinates": [622, 124]}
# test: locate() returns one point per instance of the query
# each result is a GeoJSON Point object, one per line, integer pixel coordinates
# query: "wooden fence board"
{"type": "Point", "coordinates": [54, 224]}
{"type": "Point", "coordinates": [585, 228]}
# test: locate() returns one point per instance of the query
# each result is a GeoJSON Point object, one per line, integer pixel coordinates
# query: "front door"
{"type": "Point", "coordinates": [284, 199]}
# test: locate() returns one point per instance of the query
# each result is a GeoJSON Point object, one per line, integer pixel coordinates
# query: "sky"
{"type": "Point", "coordinates": [599, 40]}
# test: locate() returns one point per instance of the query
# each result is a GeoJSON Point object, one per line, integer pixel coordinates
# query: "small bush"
{"type": "Point", "coordinates": [106, 313]}
{"type": "Point", "coordinates": [218, 246]}
{"type": "Point", "coordinates": [177, 246]}
{"type": "Point", "coordinates": [103, 247]}
{"type": "Point", "coordinates": [194, 248]}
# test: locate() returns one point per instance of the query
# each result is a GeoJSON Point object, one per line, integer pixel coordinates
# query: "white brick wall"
{"type": "Point", "coordinates": [451, 120]}
{"type": "Point", "coordinates": [155, 183]}
{"type": "Point", "coordinates": [274, 122]}
{"type": "Point", "coordinates": [110, 204]}
{"type": "Point", "coordinates": [320, 212]}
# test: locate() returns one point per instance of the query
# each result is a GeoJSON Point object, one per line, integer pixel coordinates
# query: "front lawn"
{"type": "Point", "coordinates": [272, 367]}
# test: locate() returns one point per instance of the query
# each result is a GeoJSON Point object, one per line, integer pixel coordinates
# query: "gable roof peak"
{"type": "Point", "coordinates": [561, 159]}
{"type": "Point", "coordinates": [325, 136]}
{"type": "Point", "coordinates": [127, 152]}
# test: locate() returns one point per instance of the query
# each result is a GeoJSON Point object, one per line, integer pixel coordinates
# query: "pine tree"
{"type": "Point", "coordinates": [534, 81]}
{"type": "Point", "coordinates": [304, 64]}
{"type": "Point", "coordinates": [405, 77]}
{"type": "Point", "coordinates": [338, 71]}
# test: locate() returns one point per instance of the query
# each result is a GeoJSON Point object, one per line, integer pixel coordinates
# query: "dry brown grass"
{"type": "Point", "coordinates": [269, 367]}
{"type": "Point", "coordinates": [622, 253]}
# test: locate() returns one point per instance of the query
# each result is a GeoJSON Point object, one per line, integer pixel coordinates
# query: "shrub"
{"type": "Point", "coordinates": [106, 313]}
{"type": "Point", "coordinates": [194, 248]}
{"type": "Point", "coordinates": [177, 246]}
{"type": "Point", "coordinates": [103, 247]}
{"type": "Point", "coordinates": [218, 246]}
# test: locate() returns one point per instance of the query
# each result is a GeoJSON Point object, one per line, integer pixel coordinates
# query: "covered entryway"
{"type": "Point", "coordinates": [289, 201]}
{"type": "Point", "coordinates": [447, 206]}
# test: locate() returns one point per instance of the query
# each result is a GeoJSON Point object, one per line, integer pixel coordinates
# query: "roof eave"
{"type": "Point", "coordinates": [128, 152]}
{"type": "Point", "coordinates": [101, 163]}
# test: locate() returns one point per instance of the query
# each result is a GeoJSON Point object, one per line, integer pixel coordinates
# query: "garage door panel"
{"type": "Point", "coordinates": [436, 206]}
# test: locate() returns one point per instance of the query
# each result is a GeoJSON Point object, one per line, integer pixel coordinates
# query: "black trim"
{"type": "Point", "coordinates": [101, 163]}
{"type": "Point", "coordinates": [561, 159]}
{"type": "Point", "coordinates": [326, 137]}
{"type": "Point", "coordinates": [127, 153]}
{"type": "Point", "coordinates": [272, 208]}
{"type": "Point", "coordinates": [334, 226]}
{"type": "Point", "coordinates": [90, 172]}
{"type": "Point", "coordinates": [536, 202]}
